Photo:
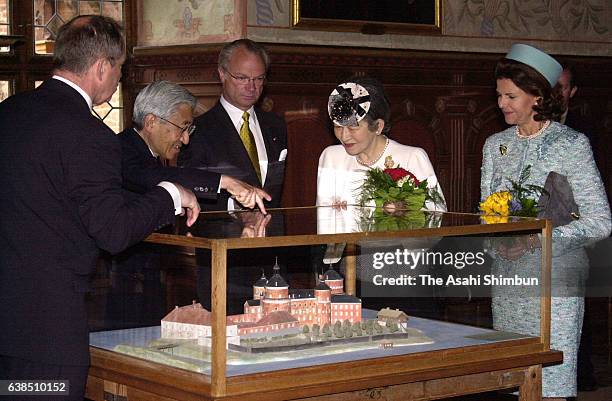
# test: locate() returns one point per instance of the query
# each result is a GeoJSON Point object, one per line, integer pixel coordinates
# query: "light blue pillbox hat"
{"type": "Point", "coordinates": [538, 60]}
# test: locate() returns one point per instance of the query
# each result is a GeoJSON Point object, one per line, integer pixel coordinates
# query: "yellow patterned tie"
{"type": "Point", "coordinates": [249, 143]}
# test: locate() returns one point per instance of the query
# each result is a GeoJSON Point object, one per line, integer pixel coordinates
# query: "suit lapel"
{"type": "Point", "coordinates": [269, 136]}
{"type": "Point", "coordinates": [143, 148]}
{"type": "Point", "coordinates": [234, 144]}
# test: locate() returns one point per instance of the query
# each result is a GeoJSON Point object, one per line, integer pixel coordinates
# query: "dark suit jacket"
{"type": "Point", "coordinates": [61, 200]}
{"type": "Point", "coordinates": [579, 123]}
{"type": "Point", "coordinates": [216, 144]}
{"type": "Point", "coordinates": [141, 171]}
{"type": "Point", "coordinates": [584, 125]}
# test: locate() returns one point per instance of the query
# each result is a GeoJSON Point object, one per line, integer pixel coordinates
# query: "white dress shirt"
{"type": "Point", "coordinates": [235, 114]}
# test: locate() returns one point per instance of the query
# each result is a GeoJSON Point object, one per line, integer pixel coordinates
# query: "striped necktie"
{"type": "Point", "coordinates": [249, 143]}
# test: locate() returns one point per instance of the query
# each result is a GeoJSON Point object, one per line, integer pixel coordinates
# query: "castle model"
{"type": "Point", "coordinates": [274, 308]}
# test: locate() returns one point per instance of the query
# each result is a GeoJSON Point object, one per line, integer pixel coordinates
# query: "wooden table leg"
{"type": "Point", "coordinates": [350, 279]}
{"type": "Point", "coordinates": [531, 390]}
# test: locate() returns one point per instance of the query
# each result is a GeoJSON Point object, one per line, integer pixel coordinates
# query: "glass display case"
{"type": "Point", "coordinates": [321, 301]}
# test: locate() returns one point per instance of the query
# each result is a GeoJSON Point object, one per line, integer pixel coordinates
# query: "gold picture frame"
{"type": "Point", "coordinates": [396, 16]}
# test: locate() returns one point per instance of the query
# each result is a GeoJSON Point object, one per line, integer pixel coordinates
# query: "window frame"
{"type": "Point", "coordinates": [22, 66]}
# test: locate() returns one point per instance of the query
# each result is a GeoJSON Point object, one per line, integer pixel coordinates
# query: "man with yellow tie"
{"type": "Point", "coordinates": [238, 139]}
{"type": "Point", "coordinates": [235, 137]}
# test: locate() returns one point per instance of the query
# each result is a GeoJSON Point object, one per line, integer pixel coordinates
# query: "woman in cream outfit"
{"type": "Point", "coordinates": [364, 145]}
{"type": "Point", "coordinates": [361, 114]}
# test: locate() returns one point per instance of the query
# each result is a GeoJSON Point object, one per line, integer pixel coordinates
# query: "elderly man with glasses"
{"type": "Point", "coordinates": [162, 124]}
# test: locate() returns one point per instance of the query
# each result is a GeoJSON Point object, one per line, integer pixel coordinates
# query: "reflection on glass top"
{"type": "Point", "coordinates": [327, 220]}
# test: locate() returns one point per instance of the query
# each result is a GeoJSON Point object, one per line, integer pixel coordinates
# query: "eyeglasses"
{"type": "Point", "coordinates": [189, 130]}
{"type": "Point", "coordinates": [243, 80]}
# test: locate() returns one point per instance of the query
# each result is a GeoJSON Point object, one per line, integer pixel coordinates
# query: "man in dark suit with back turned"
{"type": "Point", "coordinates": [60, 173]}
{"type": "Point", "coordinates": [245, 141]}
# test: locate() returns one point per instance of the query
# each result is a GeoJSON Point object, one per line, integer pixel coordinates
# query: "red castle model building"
{"type": "Point", "coordinates": [274, 308]}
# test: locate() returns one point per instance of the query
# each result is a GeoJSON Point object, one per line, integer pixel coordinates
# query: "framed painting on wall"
{"type": "Point", "coordinates": [368, 17]}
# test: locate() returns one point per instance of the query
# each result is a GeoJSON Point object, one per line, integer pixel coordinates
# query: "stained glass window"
{"type": "Point", "coordinates": [111, 112]}
{"type": "Point", "coordinates": [5, 89]}
{"type": "Point", "coordinates": [49, 15]}
{"type": "Point", "coordinates": [5, 22]}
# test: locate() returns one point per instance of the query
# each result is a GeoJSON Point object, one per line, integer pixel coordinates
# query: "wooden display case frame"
{"type": "Point", "coordinates": [418, 376]}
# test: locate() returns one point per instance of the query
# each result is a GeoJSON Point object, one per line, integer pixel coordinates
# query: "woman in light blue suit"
{"type": "Point", "coordinates": [529, 99]}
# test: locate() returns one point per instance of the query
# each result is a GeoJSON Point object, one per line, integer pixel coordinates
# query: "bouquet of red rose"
{"type": "Point", "coordinates": [396, 189]}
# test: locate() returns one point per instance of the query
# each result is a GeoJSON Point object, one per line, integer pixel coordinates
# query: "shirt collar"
{"type": "Point", "coordinates": [235, 113]}
{"type": "Point", "coordinates": [77, 88]}
{"type": "Point", "coordinates": [150, 150]}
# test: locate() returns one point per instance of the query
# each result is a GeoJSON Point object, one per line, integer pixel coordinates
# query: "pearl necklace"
{"type": "Point", "coordinates": [376, 159]}
{"type": "Point", "coordinates": [518, 133]}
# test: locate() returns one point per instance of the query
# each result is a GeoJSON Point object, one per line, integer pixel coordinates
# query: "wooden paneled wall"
{"type": "Point", "coordinates": [443, 102]}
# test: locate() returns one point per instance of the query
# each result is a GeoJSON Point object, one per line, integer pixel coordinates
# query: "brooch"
{"type": "Point", "coordinates": [503, 149]}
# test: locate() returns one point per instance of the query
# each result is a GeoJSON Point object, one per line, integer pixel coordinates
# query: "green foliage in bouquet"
{"type": "Point", "coordinates": [399, 198]}
{"type": "Point", "coordinates": [526, 195]}
{"type": "Point", "coordinates": [519, 199]}
{"type": "Point", "coordinates": [397, 186]}
{"type": "Point", "coordinates": [378, 219]}
{"type": "Point", "coordinates": [380, 187]}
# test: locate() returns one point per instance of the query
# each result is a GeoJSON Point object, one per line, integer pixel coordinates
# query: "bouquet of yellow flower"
{"type": "Point", "coordinates": [519, 200]}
